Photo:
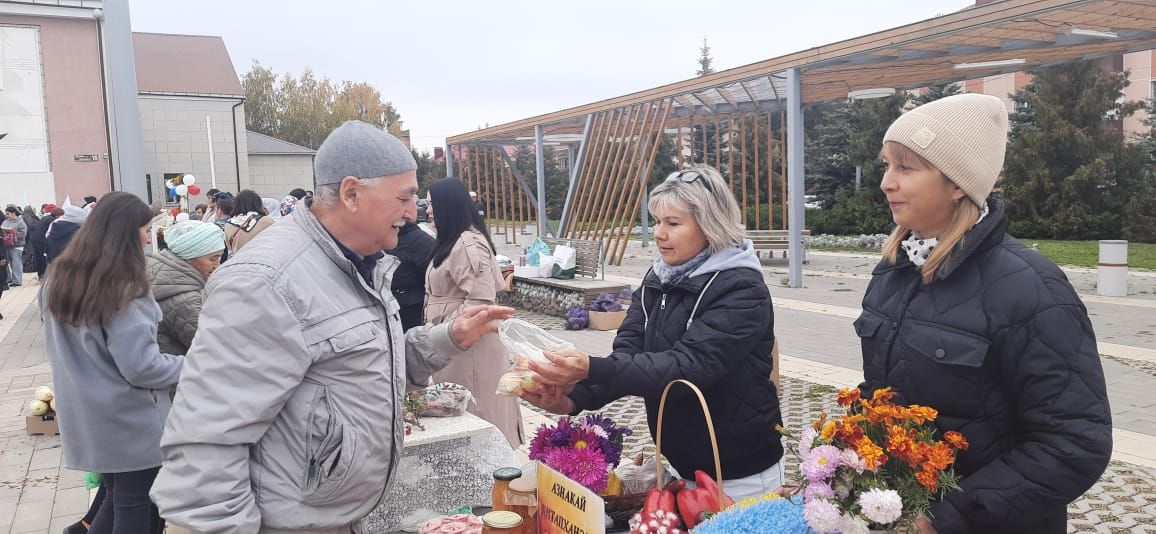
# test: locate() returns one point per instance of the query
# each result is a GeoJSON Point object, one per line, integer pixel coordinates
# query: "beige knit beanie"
{"type": "Point", "coordinates": [964, 136]}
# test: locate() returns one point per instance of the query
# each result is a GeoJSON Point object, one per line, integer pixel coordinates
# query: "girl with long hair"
{"type": "Point", "coordinates": [463, 273]}
{"type": "Point", "coordinates": [247, 219]}
{"type": "Point", "coordinates": [112, 381]}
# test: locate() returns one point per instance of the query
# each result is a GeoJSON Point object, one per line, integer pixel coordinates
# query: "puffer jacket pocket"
{"type": "Point", "coordinates": [869, 328]}
{"type": "Point", "coordinates": [945, 367]}
{"type": "Point", "coordinates": [945, 345]}
{"type": "Point", "coordinates": [331, 449]}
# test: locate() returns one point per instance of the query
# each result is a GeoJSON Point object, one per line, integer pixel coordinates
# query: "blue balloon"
{"type": "Point", "coordinates": [172, 191]}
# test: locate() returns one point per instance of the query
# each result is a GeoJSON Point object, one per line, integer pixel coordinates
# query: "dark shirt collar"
{"type": "Point", "coordinates": [364, 264]}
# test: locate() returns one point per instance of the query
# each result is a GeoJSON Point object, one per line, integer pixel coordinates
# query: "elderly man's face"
{"type": "Point", "coordinates": [385, 206]}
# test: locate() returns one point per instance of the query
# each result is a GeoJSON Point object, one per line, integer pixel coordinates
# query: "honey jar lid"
{"type": "Point", "coordinates": [502, 519]}
{"type": "Point", "coordinates": [507, 473]}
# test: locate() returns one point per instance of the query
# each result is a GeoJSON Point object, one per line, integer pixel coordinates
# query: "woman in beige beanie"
{"type": "Point", "coordinates": [963, 318]}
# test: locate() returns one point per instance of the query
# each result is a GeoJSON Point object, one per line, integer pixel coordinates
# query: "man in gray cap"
{"type": "Point", "coordinates": [289, 412]}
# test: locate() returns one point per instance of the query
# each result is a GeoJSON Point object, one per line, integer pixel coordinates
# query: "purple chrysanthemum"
{"type": "Point", "coordinates": [820, 463]}
{"type": "Point", "coordinates": [818, 490]}
{"type": "Point", "coordinates": [584, 466]}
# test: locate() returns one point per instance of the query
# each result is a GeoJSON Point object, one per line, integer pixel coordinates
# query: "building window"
{"type": "Point", "coordinates": [171, 200]}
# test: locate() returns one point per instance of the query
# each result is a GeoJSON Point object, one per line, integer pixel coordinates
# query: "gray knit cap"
{"type": "Point", "coordinates": [360, 150]}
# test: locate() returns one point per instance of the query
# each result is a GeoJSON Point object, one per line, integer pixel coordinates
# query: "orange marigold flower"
{"type": "Point", "coordinates": [828, 431]}
{"type": "Point", "coordinates": [871, 453]}
{"type": "Point", "coordinates": [849, 430]}
{"type": "Point", "coordinates": [820, 421]}
{"type": "Point", "coordinates": [899, 443]}
{"type": "Point", "coordinates": [955, 439]}
{"type": "Point", "coordinates": [846, 397]}
{"type": "Point", "coordinates": [928, 479]}
{"type": "Point", "coordinates": [882, 395]}
{"type": "Point", "coordinates": [938, 457]}
{"type": "Point", "coordinates": [884, 413]}
{"type": "Point", "coordinates": [920, 414]}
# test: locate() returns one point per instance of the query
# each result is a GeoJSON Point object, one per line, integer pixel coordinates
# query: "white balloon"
{"type": "Point", "coordinates": [182, 190]}
{"type": "Point", "coordinates": [168, 184]}
{"type": "Point", "coordinates": [182, 217]}
{"type": "Point", "coordinates": [189, 179]}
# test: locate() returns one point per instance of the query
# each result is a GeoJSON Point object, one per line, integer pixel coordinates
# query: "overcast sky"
{"type": "Point", "coordinates": [450, 67]}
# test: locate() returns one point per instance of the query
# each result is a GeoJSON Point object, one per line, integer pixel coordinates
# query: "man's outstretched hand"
{"type": "Point", "coordinates": [477, 321]}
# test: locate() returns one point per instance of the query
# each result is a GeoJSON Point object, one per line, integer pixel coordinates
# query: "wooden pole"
{"type": "Point", "coordinates": [630, 180]}
{"type": "Point", "coordinates": [590, 157]}
{"type": "Point", "coordinates": [643, 174]}
{"type": "Point", "coordinates": [731, 153]}
{"type": "Point", "coordinates": [717, 147]}
{"type": "Point", "coordinates": [770, 172]}
{"type": "Point", "coordinates": [756, 182]}
{"type": "Point", "coordinates": [599, 175]}
{"type": "Point", "coordinates": [622, 181]}
{"type": "Point", "coordinates": [705, 148]}
{"type": "Point", "coordinates": [613, 183]}
{"type": "Point", "coordinates": [606, 181]}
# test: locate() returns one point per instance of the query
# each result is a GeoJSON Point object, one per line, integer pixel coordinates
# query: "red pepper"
{"type": "Point", "coordinates": [663, 500]}
{"type": "Point", "coordinates": [693, 504]}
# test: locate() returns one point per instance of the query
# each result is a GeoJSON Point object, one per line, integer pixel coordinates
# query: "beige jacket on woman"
{"type": "Point", "coordinates": [469, 276]}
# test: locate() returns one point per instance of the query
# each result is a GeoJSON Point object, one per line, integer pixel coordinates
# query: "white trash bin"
{"type": "Point", "coordinates": [1112, 270]}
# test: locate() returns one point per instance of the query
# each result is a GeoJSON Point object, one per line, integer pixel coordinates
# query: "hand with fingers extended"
{"type": "Point", "coordinates": [553, 399]}
{"type": "Point", "coordinates": [477, 321]}
{"type": "Point", "coordinates": [567, 366]}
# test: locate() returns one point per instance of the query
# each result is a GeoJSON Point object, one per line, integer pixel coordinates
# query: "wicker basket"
{"type": "Point", "coordinates": [621, 508]}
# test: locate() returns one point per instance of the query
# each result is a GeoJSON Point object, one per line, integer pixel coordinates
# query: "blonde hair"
{"type": "Point", "coordinates": [963, 217]}
{"type": "Point", "coordinates": [714, 208]}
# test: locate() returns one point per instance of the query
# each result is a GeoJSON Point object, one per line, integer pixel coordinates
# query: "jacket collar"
{"type": "Point", "coordinates": [383, 273]}
{"type": "Point", "coordinates": [986, 234]}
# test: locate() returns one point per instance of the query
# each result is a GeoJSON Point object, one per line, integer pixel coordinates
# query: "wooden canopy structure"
{"type": "Point", "coordinates": [613, 141]}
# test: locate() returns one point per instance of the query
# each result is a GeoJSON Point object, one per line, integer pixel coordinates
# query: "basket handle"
{"type": "Point", "coordinates": [709, 427]}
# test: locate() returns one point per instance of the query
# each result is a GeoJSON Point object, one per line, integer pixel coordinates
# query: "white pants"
{"type": "Point", "coordinates": [751, 486]}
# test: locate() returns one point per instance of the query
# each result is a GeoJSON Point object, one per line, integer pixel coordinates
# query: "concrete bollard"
{"type": "Point", "coordinates": [1112, 270]}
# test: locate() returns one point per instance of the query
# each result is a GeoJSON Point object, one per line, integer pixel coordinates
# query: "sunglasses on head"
{"type": "Point", "coordinates": [689, 177]}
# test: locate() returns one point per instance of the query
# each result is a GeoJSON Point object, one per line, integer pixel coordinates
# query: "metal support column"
{"type": "Point", "coordinates": [575, 168]}
{"type": "Point", "coordinates": [449, 159]}
{"type": "Point", "coordinates": [795, 162]}
{"type": "Point", "coordinates": [540, 167]}
{"type": "Point", "coordinates": [127, 150]}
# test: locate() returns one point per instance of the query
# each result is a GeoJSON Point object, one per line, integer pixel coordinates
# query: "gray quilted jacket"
{"type": "Point", "coordinates": [178, 288]}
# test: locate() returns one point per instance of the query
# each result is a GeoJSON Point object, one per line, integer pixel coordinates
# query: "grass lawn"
{"type": "Point", "coordinates": [1080, 253]}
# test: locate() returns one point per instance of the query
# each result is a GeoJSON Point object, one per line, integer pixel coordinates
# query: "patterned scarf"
{"type": "Point", "coordinates": [919, 248]}
{"type": "Point", "coordinates": [673, 274]}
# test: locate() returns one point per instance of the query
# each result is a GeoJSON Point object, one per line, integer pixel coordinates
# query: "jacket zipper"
{"type": "Point", "coordinates": [650, 332]}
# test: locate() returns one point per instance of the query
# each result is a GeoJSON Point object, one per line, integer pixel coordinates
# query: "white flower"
{"type": "Point", "coordinates": [852, 524]}
{"type": "Point", "coordinates": [881, 506]}
{"type": "Point", "coordinates": [821, 515]}
{"type": "Point", "coordinates": [850, 458]}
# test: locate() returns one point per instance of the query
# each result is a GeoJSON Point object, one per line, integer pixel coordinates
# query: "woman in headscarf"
{"type": "Point", "coordinates": [177, 277]}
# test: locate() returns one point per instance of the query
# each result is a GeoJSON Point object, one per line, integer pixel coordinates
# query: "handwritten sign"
{"type": "Point", "coordinates": [567, 507]}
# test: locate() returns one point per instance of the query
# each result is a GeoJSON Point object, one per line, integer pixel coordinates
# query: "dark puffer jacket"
{"type": "Point", "coordinates": [179, 289]}
{"type": "Point", "coordinates": [725, 352]}
{"type": "Point", "coordinates": [1001, 345]}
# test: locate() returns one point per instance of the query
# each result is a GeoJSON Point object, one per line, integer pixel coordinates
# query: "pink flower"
{"type": "Point", "coordinates": [820, 463]}
{"type": "Point", "coordinates": [807, 440]}
{"type": "Point", "coordinates": [850, 458]}
{"type": "Point", "coordinates": [822, 516]}
{"type": "Point", "coordinates": [817, 490]}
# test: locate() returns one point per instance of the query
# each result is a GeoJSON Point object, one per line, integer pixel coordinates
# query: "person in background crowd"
{"type": "Point", "coordinates": [15, 233]}
{"type": "Point", "coordinates": [272, 207]}
{"type": "Point", "coordinates": [478, 206]}
{"type": "Point", "coordinates": [38, 236]}
{"type": "Point", "coordinates": [308, 200]}
{"type": "Point", "coordinates": [111, 379]}
{"type": "Point", "coordinates": [89, 203]}
{"type": "Point", "coordinates": [211, 209]}
{"type": "Point", "coordinates": [462, 273]}
{"type": "Point", "coordinates": [247, 220]}
{"type": "Point", "coordinates": [962, 318]}
{"type": "Point", "coordinates": [702, 314]}
{"type": "Point", "coordinates": [4, 270]}
{"type": "Point", "coordinates": [225, 204]}
{"type": "Point", "coordinates": [177, 277]}
{"type": "Point", "coordinates": [297, 193]}
{"type": "Point", "coordinates": [31, 221]}
{"type": "Point", "coordinates": [288, 204]}
{"type": "Point", "coordinates": [199, 212]}
{"type": "Point", "coordinates": [414, 248]}
{"type": "Point", "coordinates": [66, 221]}
{"type": "Point", "coordinates": [299, 315]}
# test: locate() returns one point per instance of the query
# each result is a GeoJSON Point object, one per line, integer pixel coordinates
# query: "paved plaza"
{"type": "Point", "coordinates": [820, 353]}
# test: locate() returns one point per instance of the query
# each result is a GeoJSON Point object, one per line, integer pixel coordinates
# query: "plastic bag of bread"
{"type": "Point", "coordinates": [524, 342]}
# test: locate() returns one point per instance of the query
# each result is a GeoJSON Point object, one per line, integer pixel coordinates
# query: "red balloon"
{"type": "Point", "coordinates": [174, 211]}
{"type": "Point", "coordinates": [194, 189]}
